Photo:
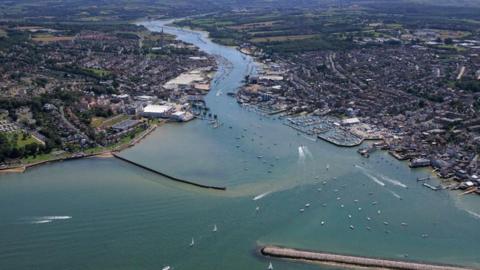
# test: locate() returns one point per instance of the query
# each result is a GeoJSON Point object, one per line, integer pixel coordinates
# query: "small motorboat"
{"type": "Point", "coordinates": [270, 266]}
{"type": "Point", "coordinates": [215, 228]}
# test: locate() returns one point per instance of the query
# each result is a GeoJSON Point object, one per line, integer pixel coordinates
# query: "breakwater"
{"type": "Point", "coordinates": [168, 176]}
{"type": "Point", "coordinates": [351, 261]}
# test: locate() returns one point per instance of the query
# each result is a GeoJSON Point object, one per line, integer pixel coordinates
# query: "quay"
{"type": "Point", "coordinates": [351, 261]}
{"type": "Point", "coordinates": [168, 176]}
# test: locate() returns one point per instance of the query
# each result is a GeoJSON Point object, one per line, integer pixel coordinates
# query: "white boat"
{"type": "Point", "coordinates": [166, 268]}
{"type": "Point", "coordinates": [302, 210]}
{"type": "Point", "coordinates": [307, 205]}
{"type": "Point", "coordinates": [328, 166]}
{"type": "Point", "coordinates": [270, 266]}
{"type": "Point", "coordinates": [351, 227]}
{"type": "Point", "coordinates": [322, 223]}
{"type": "Point", "coordinates": [215, 228]}
{"type": "Point", "coordinates": [258, 208]}
{"type": "Point", "coordinates": [192, 243]}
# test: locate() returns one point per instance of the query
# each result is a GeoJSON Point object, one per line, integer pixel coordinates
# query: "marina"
{"type": "Point", "coordinates": [325, 128]}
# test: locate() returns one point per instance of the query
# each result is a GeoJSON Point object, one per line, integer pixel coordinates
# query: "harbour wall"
{"type": "Point", "coordinates": [168, 176]}
{"type": "Point", "coordinates": [351, 261]}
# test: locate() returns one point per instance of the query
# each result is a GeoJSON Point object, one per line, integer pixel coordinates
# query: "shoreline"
{"type": "Point", "coordinates": [104, 153]}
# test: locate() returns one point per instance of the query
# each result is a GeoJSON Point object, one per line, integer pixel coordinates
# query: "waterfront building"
{"type": "Point", "coordinates": [157, 111]}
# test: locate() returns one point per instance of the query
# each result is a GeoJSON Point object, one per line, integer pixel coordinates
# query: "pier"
{"type": "Point", "coordinates": [352, 261]}
{"type": "Point", "coordinates": [168, 176]}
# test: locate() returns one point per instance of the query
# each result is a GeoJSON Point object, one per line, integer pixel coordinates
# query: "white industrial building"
{"type": "Point", "coordinates": [157, 111]}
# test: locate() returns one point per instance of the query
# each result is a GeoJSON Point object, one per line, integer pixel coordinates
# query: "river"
{"type": "Point", "coordinates": [106, 214]}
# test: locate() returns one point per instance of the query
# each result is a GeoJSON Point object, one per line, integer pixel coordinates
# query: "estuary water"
{"type": "Point", "coordinates": [106, 214]}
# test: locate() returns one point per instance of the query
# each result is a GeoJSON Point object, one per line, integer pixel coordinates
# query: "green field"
{"type": "Point", "coordinates": [19, 140]}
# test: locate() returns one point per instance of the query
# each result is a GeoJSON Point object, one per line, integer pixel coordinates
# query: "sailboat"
{"type": "Point", "coordinates": [192, 243]}
{"type": "Point", "coordinates": [270, 266]}
{"type": "Point", "coordinates": [215, 228]}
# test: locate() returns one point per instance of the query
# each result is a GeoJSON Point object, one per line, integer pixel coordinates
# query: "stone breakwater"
{"type": "Point", "coordinates": [352, 261]}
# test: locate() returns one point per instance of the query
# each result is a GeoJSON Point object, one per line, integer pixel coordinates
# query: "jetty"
{"type": "Point", "coordinates": [352, 261]}
{"type": "Point", "coordinates": [430, 186]}
{"type": "Point", "coordinates": [168, 176]}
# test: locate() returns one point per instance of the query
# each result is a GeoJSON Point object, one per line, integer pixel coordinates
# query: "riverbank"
{"type": "Point", "coordinates": [103, 152]}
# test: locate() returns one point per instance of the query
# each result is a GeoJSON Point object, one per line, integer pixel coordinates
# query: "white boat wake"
{"type": "Point", "coordinates": [475, 215]}
{"type": "Point", "coordinates": [395, 194]}
{"type": "Point", "coordinates": [307, 152]}
{"type": "Point", "coordinates": [393, 181]}
{"type": "Point", "coordinates": [258, 197]}
{"type": "Point", "coordinates": [304, 152]}
{"type": "Point", "coordinates": [47, 219]}
{"type": "Point", "coordinates": [369, 175]}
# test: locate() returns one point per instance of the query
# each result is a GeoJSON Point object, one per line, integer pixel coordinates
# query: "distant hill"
{"type": "Point", "coordinates": [114, 10]}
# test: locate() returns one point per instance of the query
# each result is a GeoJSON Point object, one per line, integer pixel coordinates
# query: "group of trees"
{"type": "Point", "coordinates": [10, 149]}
